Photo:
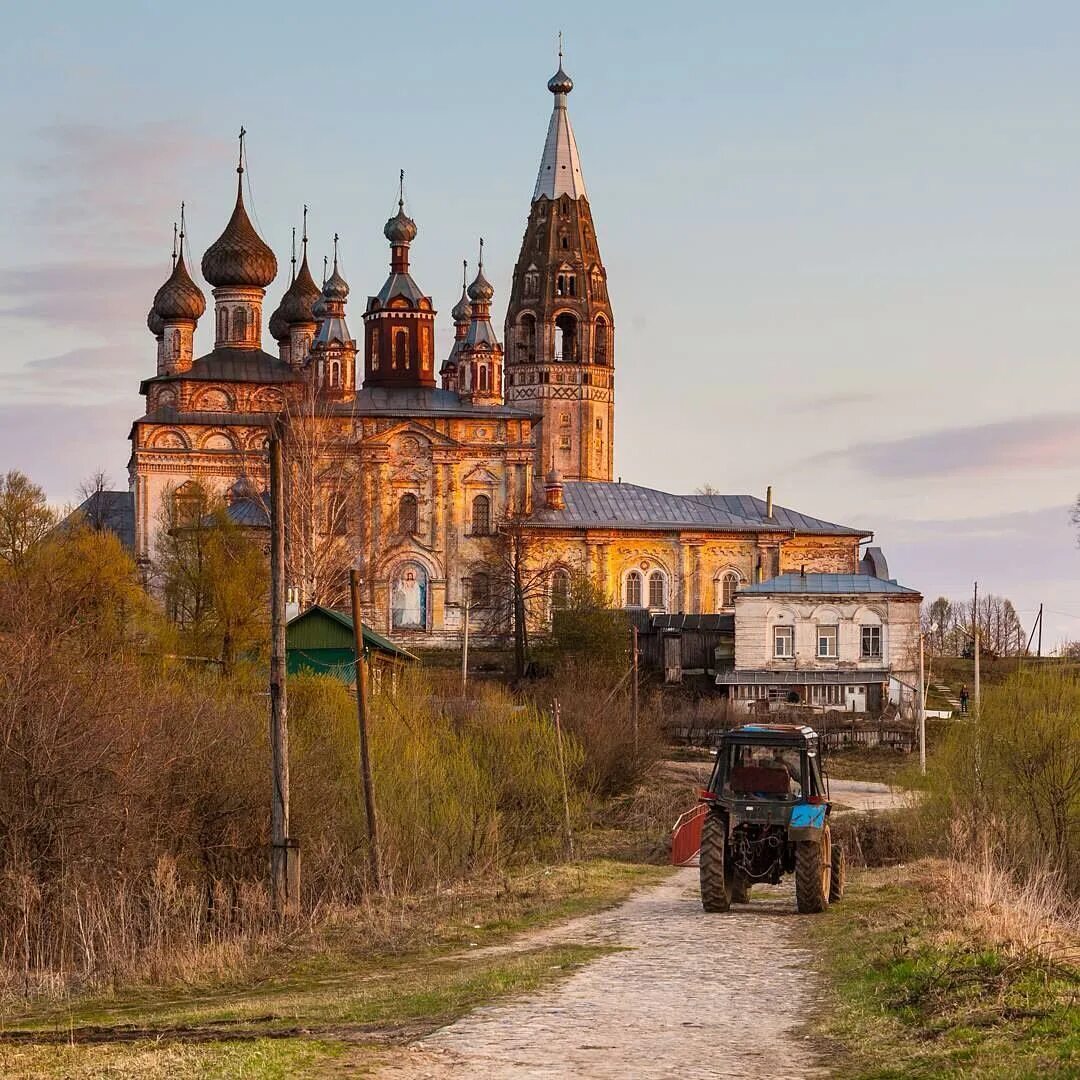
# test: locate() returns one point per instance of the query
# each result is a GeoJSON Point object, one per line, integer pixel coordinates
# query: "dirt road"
{"type": "Point", "coordinates": [686, 995]}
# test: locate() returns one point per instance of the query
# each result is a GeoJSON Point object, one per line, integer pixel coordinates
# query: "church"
{"type": "Point", "coordinates": [421, 464]}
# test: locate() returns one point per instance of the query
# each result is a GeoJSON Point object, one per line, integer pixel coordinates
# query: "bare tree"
{"type": "Point", "coordinates": [92, 502]}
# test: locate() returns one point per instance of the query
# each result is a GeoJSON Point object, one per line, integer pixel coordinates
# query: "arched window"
{"type": "Point", "coordinates": [657, 590]}
{"type": "Point", "coordinates": [560, 589]}
{"type": "Point", "coordinates": [479, 590]}
{"type": "Point", "coordinates": [222, 323]}
{"type": "Point", "coordinates": [335, 373]}
{"type": "Point", "coordinates": [401, 349]}
{"type": "Point", "coordinates": [174, 344]}
{"type": "Point", "coordinates": [374, 350]}
{"type": "Point", "coordinates": [481, 516]}
{"type": "Point", "coordinates": [565, 242]}
{"type": "Point", "coordinates": [336, 514]}
{"type": "Point", "coordinates": [725, 590]}
{"type": "Point", "coordinates": [408, 515]}
{"type": "Point", "coordinates": [632, 592]}
{"type": "Point", "coordinates": [485, 377]}
{"type": "Point", "coordinates": [189, 503]}
{"type": "Point", "coordinates": [566, 338]}
{"type": "Point", "coordinates": [526, 348]}
{"type": "Point", "coordinates": [600, 342]}
{"type": "Point", "coordinates": [239, 324]}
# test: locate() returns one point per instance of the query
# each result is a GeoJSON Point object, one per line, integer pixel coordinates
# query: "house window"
{"type": "Point", "coordinates": [633, 589]}
{"type": "Point", "coordinates": [728, 583]}
{"type": "Point", "coordinates": [826, 642]}
{"type": "Point", "coordinates": [826, 695]}
{"type": "Point", "coordinates": [560, 589]}
{"type": "Point", "coordinates": [408, 515]}
{"type": "Point", "coordinates": [657, 590]}
{"type": "Point", "coordinates": [479, 590]}
{"type": "Point", "coordinates": [871, 642]}
{"type": "Point", "coordinates": [783, 642]}
{"type": "Point", "coordinates": [481, 515]}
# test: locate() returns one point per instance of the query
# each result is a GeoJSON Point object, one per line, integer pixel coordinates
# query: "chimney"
{"type": "Point", "coordinates": [768, 502]}
{"type": "Point", "coordinates": [553, 490]}
{"type": "Point", "coordinates": [802, 570]}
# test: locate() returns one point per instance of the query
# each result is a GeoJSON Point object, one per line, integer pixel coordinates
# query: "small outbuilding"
{"type": "Point", "coordinates": [321, 641]}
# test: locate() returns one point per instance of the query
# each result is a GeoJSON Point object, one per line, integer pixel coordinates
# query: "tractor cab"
{"type": "Point", "coordinates": [770, 762]}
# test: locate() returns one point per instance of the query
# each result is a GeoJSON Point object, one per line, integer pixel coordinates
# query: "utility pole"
{"type": "Point", "coordinates": [284, 853]}
{"type": "Point", "coordinates": [978, 649]}
{"type": "Point", "coordinates": [634, 687]}
{"type": "Point", "coordinates": [1039, 653]}
{"type": "Point", "coordinates": [466, 588]}
{"type": "Point", "coordinates": [922, 704]}
{"type": "Point", "coordinates": [562, 772]}
{"type": "Point", "coordinates": [361, 723]}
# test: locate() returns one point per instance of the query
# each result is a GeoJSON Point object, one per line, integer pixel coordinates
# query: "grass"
{"type": "Point", "coordinates": [919, 993]}
{"type": "Point", "coordinates": [334, 993]}
{"type": "Point", "coordinates": [880, 765]}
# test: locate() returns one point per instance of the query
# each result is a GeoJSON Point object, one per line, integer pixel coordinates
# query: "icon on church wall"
{"type": "Point", "coordinates": [408, 599]}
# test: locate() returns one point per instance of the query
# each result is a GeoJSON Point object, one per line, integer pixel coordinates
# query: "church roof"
{"type": "Point", "coordinates": [423, 401]}
{"type": "Point", "coordinates": [111, 511]}
{"type": "Point", "coordinates": [399, 285]}
{"type": "Point", "coordinates": [596, 504]}
{"type": "Point", "coordinates": [233, 365]}
{"type": "Point", "coordinates": [824, 584]}
{"type": "Point", "coordinates": [560, 165]}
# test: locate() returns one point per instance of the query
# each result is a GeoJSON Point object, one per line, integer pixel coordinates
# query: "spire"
{"type": "Point", "coordinates": [174, 245]}
{"type": "Point", "coordinates": [462, 310]}
{"type": "Point", "coordinates": [292, 259]}
{"type": "Point", "coordinates": [560, 164]}
{"type": "Point", "coordinates": [179, 299]}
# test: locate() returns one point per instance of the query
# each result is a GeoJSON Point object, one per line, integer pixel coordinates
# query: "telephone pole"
{"type": "Point", "coordinates": [634, 687]}
{"type": "Point", "coordinates": [1039, 653]}
{"type": "Point", "coordinates": [284, 853]}
{"type": "Point", "coordinates": [361, 723]}
{"type": "Point", "coordinates": [922, 704]}
{"type": "Point", "coordinates": [466, 588]}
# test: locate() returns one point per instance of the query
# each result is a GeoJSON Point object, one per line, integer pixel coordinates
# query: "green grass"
{"type": "Point", "coordinates": [914, 997]}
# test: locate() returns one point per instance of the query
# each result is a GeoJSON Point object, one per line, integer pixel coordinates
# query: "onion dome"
{"type": "Point", "coordinates": [300, 298]}
{"type": "Point", "coordinates": [238, 257]}
{"type": "Point", "coordinates": [462, 310]}
{"type": "Point", "coordinates": [400, 229]}
{"type": "Point", "coordinates": [560, 82]}
{"type": "Point", "coordinates": [481, 290]}
{"type": "Point", "coordinates": [179, 299]}
{"type": "Point", "coordinates": [553, 478]}
{"type": "Point", "coordinates": [336, 287]}
{"type": "Point", "coordinates": [154, 323]}
{"type": "Point", "coordinates": [278, 327]}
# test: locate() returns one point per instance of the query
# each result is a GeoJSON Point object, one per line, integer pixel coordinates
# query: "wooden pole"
{"type": "Point", "coordinates": [465, 640]}
{"type": "Point", "coordinates": [922, 705]}
{"type": "Point", "coordinates": [1039, 652]}
{"type": "Point", "coordinates": [361, 723]}
{"type": "Point", "coordinates": [978, 650]}
{"type": "Point", "coordinates": [562, 773]}
{"type": "Point", "coordinates": [283, 899]}
{"type": "Point", "coordinates": [634, 687]}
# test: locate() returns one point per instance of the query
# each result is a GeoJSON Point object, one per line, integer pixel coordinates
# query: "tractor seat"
{"type": "Point", "coordinates": [757, 780]}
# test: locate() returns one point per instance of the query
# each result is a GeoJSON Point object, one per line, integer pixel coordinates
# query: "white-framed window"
{"type": "Point", "coordinates": [726, 585]}
{"type": "Point", "coordinates": [632, 589]}
{"type": "Point", "coordinates": [871, 643]}
{"type": "Point", "coordinates": [783, 642]}
{"type": "Point", "coordinates": [827, 642]}
{"type": "Point", "coordinates": [826, 695]}
{"type": "Point", "coordinates": [658, 590]}
{"type": "Point", "coordinates": [560, 589]}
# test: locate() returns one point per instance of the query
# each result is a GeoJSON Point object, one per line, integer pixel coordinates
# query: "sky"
{"type": "Point", "coordinates": [842, 240]}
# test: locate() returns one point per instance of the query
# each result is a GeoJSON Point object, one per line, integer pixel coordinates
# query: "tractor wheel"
{"type": "Point", "coordinates": [740, 888]}
{"type": "Point", "coordinates": [715, 877]}
{"type": "Point", "coordinates": [813, 873]}
{"type": "Point", "coordinates": [839, 874]}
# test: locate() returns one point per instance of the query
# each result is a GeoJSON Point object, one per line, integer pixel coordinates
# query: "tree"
{"type": "Point", "coordinates": [938, 625]}
{"type": "Point", "coordinates": [588, 627]}
{"type": "Point", "coordinates": [25, 517]}
{"type": "Point", "coordinates": [95, 511]}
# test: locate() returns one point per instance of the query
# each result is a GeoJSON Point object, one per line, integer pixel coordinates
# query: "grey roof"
{"type": "Point", "coordinates": [233, 365]}
{"type": "Point", "coordinates": [406, 401]}
{"type": "Point", "coordinates": [873, 563]}
{"type": "Point", "coordinates": [705, 621]}
{"type": "Point", "coordinates": [481, 332]}
{"type": "Point", "coordinates": [598, 504]}
{"type": "Point", "coordinates": [398, 285]}
{"type": "Point", "coordinates": [560, 164]}
{"type": "Point", "coordinates": [333, 328]}
{"type": "Point", "coordinates": [210, 419]}
{"type": "Point", "coordinates": [252, 512]}
{"type": "Point", "coordinates": [804, 677]}
{"type": "Point", "coordinates": [109, 511]}
{"type": "Point", "coordinates": [824, 584]}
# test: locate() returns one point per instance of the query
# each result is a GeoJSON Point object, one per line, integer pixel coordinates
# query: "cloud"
{"type": "Point", "coordinates": [840, 400]}
{"type": "Point", "coordinates": [102, 369]}
{"type": "Point", "coordinates": [1051, 441]}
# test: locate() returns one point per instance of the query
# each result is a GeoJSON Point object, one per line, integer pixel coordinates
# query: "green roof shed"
{"type": "Point", "coordinates": [321, 640]}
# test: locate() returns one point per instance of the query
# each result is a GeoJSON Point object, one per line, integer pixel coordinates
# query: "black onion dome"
{"type": "Point", "coordinates": [336, 287]}
{"type": "Point", "coordinates": [278, 327]}
{"type": "Point", "coordinates": [560, 82]}
{"type": "Point", "coordinates": [299, 299]}
{"type": "Point", "coordinates": [400, 229]}
{"type": "Point", "coordinates": [481, 290]}
{"type": "Point", "coordinates": [179, 298]}
{"type": "Point", "coordinates": [462, 310]}
{"type": "Point", "coordinates": [154, 323]}
{"type": "Point", "coordinates": [238, 257]}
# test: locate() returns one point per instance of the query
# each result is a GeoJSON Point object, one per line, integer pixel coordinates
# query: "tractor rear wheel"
{"type": "Point", "coordinates": [839, 874]}
{"type": "Point", "coordinates": [813, 873]}
{"type": "Point", "coordinates": [715, 875]}
{"type": "Point", "coordinates": [740, 888]}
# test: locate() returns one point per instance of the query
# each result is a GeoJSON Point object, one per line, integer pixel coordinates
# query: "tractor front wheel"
{"type": "Point", "coordinates": [715, 875]}
{"type": "Point", "coordinates": [813, 873]}
{"type": "Point", "coordinates": [838, 880]}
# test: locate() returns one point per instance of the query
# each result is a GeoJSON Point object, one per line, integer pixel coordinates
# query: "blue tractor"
{"type": "Point", "coordinates": [768, 815]}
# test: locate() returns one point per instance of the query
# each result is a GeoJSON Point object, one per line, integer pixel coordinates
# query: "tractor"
{"type": "Point", "coordinates": [767, 814]}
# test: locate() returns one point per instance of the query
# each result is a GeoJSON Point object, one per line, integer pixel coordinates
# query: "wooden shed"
{"type": "Point", "coordinates": [321, 641]}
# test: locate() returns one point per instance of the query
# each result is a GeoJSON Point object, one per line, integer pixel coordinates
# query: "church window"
{"type": "Point", "coordinates": [222, 323]}
{"type": "Point", "coordinates": [600, 343]}
{"type": "Point", "coordinates": [174, 344]}
{"type": "Point", "coordinates": [484, 381]}
{"type": "Point", "coordinates": [532, 283]}
{"type": "Point", "coordinates": [725, 591]}
{"type": "Point", "coordinates": [560, 285]}
{"type": "Point", "coordinates": [335, 373]}
{"type": "Point", "coordinates": [408, 515]}
{"type": "Point", "coordinates": [565, 242]}
{"type": "Point", "coordinates": [566, 338]}
{"type": "Point", "coordinates": [374, 350]}
{"type": "Point", "coordinates": [401, 349]}
{"type": "Point", "coordinates": [571, 284]}
{"type": "Point", "coordinates": [632, 590]}
{"type": "Point", "coordinates": [526, 344]}
{"type": "Point", "coordinates": [481, 516]}
{"type": "Point", "coordinates": [336, 518]}
{"type": "Point", "coordinates": [479, 590]}
{"type": "Point", "coordinates": [564, 442]}
{"type": "Point", "coordinates": [599, 424]}
{"type": "Point", "coordinates": [189, 503]}
{"type": "Point", "coordinates": [560, 589]}
{"type": "Point", "coordinates": [239, 324]}
{"type": "Point", "coordinates": [424, 331]}
{"type": "Point", "coordinates": [564, 419]}
{"type": "Point", "coordinates": [657, 590]}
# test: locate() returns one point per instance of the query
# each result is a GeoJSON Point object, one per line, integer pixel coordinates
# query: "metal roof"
{"type": "Point", "coordinates": [398, 285]}
{"type": "Point", "coordinates": [679, 621]}
{"type": "Point", "coordinates": [825, 584]}
{"type": "Point", "coordinates": [210, 418]}
{"type": "Point", "coordinates": [560, 164]}
{"type": "Point", "coordinates": [599, 504]}
{"type": "Point", "coordinates": [233, 365]}
{"type": "Point", "coordinates": [372, 639]}
{"type": "Point", "coordinates": [112, 511]}
{"type": "Point", "coordinates": [804, 677]}
{"type": "Point", "coordinates": [421, 401]}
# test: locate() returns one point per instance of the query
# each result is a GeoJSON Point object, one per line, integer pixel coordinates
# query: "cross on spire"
{"type": "Point", "coordinates": [181, 254]}
{"type": "Point", "coordinates": [240, 160]}
{"type": "Point", "coordinates": [401, 190]}
{"type": "Point", "coordinates": [174, 245]}
{"type": "Point", "coordinates": [480, 267]}
{"type": "Point", "coordinates": [325, 264]}
{"type": "Point", "coordinates": [464, 273]}
{"type": "Point", "coordinates": [560, 48]}
{"type": "Point", "coordinates": [292, 278]}
{"type": "Point", "coordinates": [335, 252]}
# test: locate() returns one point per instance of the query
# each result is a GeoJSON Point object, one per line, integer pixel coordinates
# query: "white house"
{"type": "Point", "coordinates": [844, 641]}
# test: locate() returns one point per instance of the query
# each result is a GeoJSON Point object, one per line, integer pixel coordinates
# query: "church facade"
{"type": "Point", "coordinates": [419, 468]}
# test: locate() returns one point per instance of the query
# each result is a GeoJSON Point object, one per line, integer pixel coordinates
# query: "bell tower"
{"type": "Point", "coordinates": [559, 332]}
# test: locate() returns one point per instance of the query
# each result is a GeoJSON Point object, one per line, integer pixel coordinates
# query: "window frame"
{"type": "Point", "coordinates": [870, 631]}
{"type": "Point", "coordinates": [660, 577]}
{"type": "Point", "coordinates": [639, 588]}
{"type": "Point", "coordinates": [474, 517]}
{"type": "Point", "coordinates": [409, 499]}
{"type": "Point", "coordinates": [783, 632]}
{"type": "Point", "coordinates": [826, 654]}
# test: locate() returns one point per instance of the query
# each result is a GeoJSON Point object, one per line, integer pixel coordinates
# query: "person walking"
{"type": "Point", "coordinates": [963, 699]}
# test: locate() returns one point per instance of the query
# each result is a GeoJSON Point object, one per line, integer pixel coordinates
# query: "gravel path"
{"type": "Point", "coordinates": [689, 995]}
